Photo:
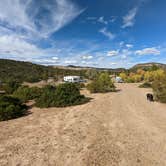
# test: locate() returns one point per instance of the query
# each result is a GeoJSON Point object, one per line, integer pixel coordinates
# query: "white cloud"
{"type": "Point", "coordinates": [129, 19]}
{"type": "Point", "coordinates": [37, 17]}
{"type": "Point", "coordinates": [55, 58]}
{"type": "Point", "coordinates": [121, 43]}
{"type": "Point", "coordinates": [112, 53]}
{"type": "Point", "coordinates": [87, 57]}
{"type": "Point", "coordinates": [89, 63]}
{"type": "Point", "coordinates": [113, 19]}
{"type": "Point", "coordinates": [70, 62]}
{"type": "Point", "coordinates": [86, 63]}
{"type": "Point", "coordinates": [125, 53]}
{"type": "Point", "coordinates": [102, 20]}
{"type": "Point", "coordinates": [120, 54]}
{"type": "Point", "coordinates": [107, 33]}
{"type": "Point", "coordinates": [46, 61]}
{"type": "Point", "coordinates": [124, 56]}
{"type": "Point", "coordinates": [129, 45]}
{"type": "Point", "coordinates": [23, 23]}
{"type": "Point", "coordinates": [113, 63]}
{"type": "Point", "coordinates": [16, 46]}
{"type": "Point", "coordinates": [91, 18]}
{"type": "Point", "coordinates": [13, 14]}
{"type": "Point", "coordinates": [148, 51]}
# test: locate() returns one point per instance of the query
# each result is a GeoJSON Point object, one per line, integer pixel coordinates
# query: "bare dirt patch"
{"type": "Point", "coordinates": [117, 129]}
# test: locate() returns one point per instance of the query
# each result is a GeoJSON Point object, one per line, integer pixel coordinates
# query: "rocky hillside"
{"type": "Point", "coordinates": [149, 65]}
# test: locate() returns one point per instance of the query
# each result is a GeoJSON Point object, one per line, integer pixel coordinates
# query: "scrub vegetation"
{"type": "Point", "coordinates": [101, 84]}
{"type": "Point", "coordinates": [63, 95]}
{"type": "Point", "coordinates": [153, 77]}
{"type": "Point", "coordinates": [67, 94]}
{"type": "Point", "coordinates": [11, 108]}
{"type": "Point", "coordinates": [29, 72]}
{"type": "Point", "coordinates": [159, 88]}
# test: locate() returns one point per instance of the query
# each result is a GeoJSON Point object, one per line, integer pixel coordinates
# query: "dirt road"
{"type": "Point", "coordinates": [114, 129]}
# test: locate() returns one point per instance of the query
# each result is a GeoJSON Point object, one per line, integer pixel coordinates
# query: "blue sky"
{"type": "Point", "coordinates": [100, 33]}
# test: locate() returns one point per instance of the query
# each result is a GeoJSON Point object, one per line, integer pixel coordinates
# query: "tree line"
{"type": "Point", "coordinates": [154, 78]}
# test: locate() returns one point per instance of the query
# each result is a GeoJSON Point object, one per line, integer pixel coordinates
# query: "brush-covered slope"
{"type": "Point", "coordinates": [23, 71]}
{"type": "Point", "coordinates": [29, 72]}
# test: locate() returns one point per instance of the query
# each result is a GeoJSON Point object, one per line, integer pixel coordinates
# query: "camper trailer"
{"type": "Point", "coordinates": [118, 80]}
{"type": "Point", "coordinates": [72, 79]}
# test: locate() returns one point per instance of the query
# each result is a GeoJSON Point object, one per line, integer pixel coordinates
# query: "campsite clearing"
{"type": "Point", "coordinates": [117, 129]}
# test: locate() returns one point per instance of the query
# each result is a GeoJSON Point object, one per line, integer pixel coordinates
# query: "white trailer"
{"type": "Point", "coordinates": [72, 79]}
{"type": "Point", "coordinates": [118, 80]}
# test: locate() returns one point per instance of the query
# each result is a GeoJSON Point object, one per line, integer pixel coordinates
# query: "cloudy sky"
{"type": "Point", "coordinates": [100, 33]}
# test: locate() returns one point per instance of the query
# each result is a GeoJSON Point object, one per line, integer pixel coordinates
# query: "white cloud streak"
{"type": "Point", "coordinates": [102, 20]}
{"type": "Point", "coordinates": [69, 62]}
{"type": "Point", "coordinates": [23, 23]}
{"type": "Point", "coordinates": [38, 17]}
{"type": "Point", "coordinates": [14, 45]}
{"type": "Point", "coordinates": [148, 51]}
{"type": "Point", "coordinates": [113, 63]}
{"type": "Point", "coordinates": [129, 19]}
{"type": "Point", "coordinates": [107, 33]}
{"type": "Point", "coordinates": [87, 57]}
{"type": "Point", "coordinates": [112, 53]}
{"type": "Point", "coordinates": [129, 45]}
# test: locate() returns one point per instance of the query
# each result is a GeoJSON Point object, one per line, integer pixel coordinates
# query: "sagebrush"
{"type": "Point", "coordinates": [11, 108]}
{"type": "Point", "coordinates": [24, 93]}
{"type": "Point", "coordinates": [63, 95]}
{"type": "Point", "coordinates": [159, 89]}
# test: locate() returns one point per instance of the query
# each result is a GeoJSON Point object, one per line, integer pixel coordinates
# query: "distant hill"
{"type": "Point", "coordinates": [72, 67]}
{"type": "Point", "coordinates": [23, 71]}
{"type": "Point", "coordinates": [29, 72]}
{"type": "Point", "coordinates": [147, 66]}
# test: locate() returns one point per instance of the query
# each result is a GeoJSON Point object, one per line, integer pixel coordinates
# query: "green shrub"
{"type": "Point", "coordinates": [63, 95]}
{"type": "Point", "coordinates": [11, 108]}
{"type": "Point", "coordinates": [80, 85]}
{"type": "Point", "coordinates": [145, 85]}
{"type": "Point", "coordinates": [102, 84]}
{"type": "Point", "coordinates": [10, 86]}
{"type": "Point", "coordinates": [47, 97]}
{"type": "Point", "coordinates": [92, 74]}
{"type": "Point", "coordinates": [159, 89]}
{"type": "Point", "coordinates": [24, 93]}
{"type": "Point", "coordinates": [129, 80]}
{"type": "Point", "coordinates": [68, 94]}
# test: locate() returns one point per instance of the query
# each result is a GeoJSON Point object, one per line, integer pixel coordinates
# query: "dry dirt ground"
{"type": "Point", "coordinates": [114, 129]}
